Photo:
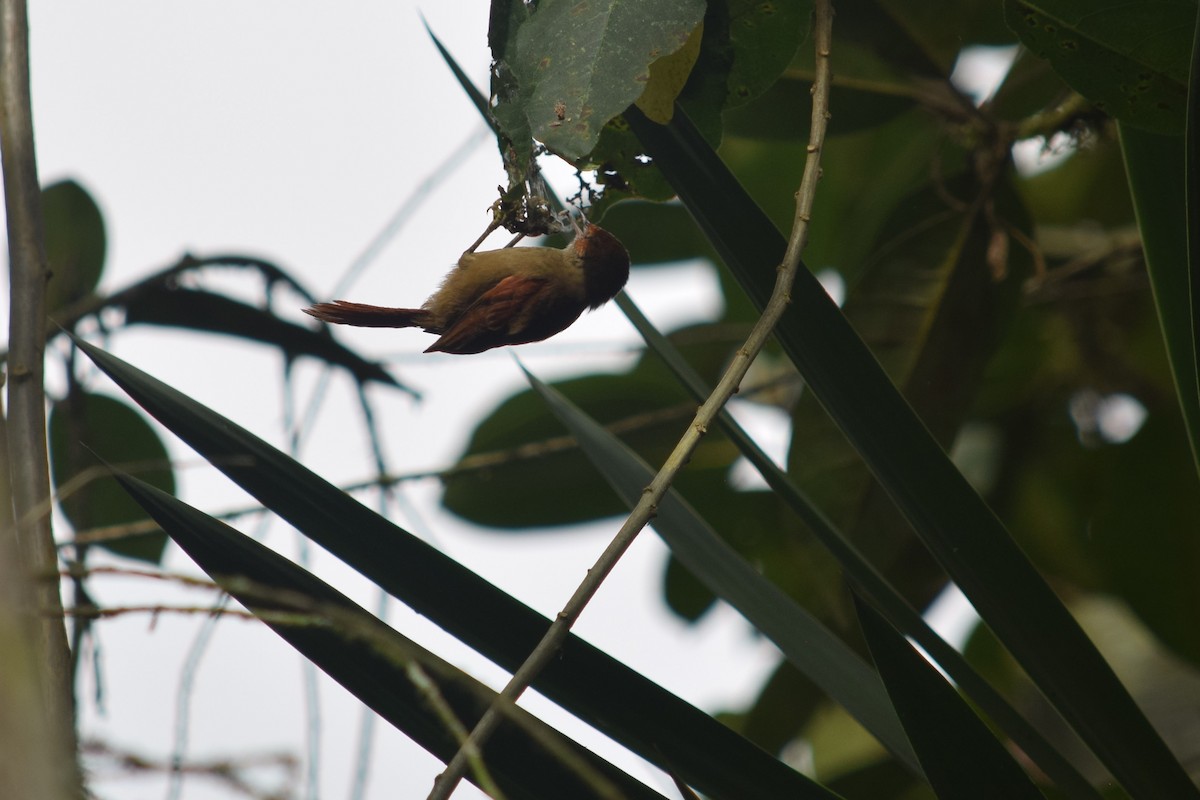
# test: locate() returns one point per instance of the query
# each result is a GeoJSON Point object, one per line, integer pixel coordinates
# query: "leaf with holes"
{"type": "Point", "coordinates": [1130, 59]}
{"type": "Point", "coordinates": [581, 64]}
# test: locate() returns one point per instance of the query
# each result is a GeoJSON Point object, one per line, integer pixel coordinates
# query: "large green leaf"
{"type": "Point", "coordinates": [84, 424]}
{"type": "Point", "coordinates": [542, 79]}
{"type": "Point", "coordinates": [580, 65]}
{"type": "Point", "coordinates": [1130, 59]}
{"type": "Point", "coordinates": [932, 309]}
{"type": "Point", "coordinates": [371, 660]}
{"type": "Point", "coordinates": [866, 91]}
{"type": "Point", "coordinates": [537, 478]}
{"type": "Point", "coordinates": [638, 713]}
{"type": "Point", "coordinates": [877, 169]}
{"type": "Point", "coordinates": [945, 511]}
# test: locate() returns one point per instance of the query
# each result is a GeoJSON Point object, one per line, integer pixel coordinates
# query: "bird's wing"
{"type": "Point", "coordinates": [497, 318]}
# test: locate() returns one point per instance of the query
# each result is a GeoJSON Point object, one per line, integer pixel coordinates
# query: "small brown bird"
{"type": "Point", "coordinates": [501, 297]}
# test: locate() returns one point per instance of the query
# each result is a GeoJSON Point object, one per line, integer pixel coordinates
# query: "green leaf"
{"type": "Point", "coordinates": [668, 75]}
{"type": "Point", "coordinates": [525, 756]}
{"type": "Point", "coordinates": [636, 712]}
{"type": "Point", "coordinates": [960, 755]}
{"type": "Point", "coordinates": [75, 243]}
{"type": "Point", "coordinates": [623, 169]}
{"type": "Point", "coordinates": [877, 168]}
{"type": "Point", "coordinates": [527, 473]}
{"type": "Point", "coordinates": [1156, 168]}
{"type": "Point", "coordinates": [1130, 59]}
{"type": "Point", "coordinates": [580, 65]}
{"type": "Point", "coordinates": [85, 424]}
{"type": "Point", "coordinates": [1153, 492]}
{"type": "Point", "coordinates": [933, 310]}
{"type": "Point", "coordinates": [1030, 86]}
{"type": "Point", "coordinates": [862, 103]}
{"type": "Point", "coordinates": [820, 655]}
{"type": "Point", "coordinates": [958, 528]}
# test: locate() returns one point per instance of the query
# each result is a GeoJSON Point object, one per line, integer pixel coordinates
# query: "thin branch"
{"type": "Point", "coordinates": [28, 467]}
{"type": "Point", "coordinates": [79, 571]}
{"type": "Point", "coordinates": [232, 772]}
{"type": "Point", "coordinates": [450, 720]}
{"type": "Point", "coordinates": [1050, 121]}
{"type": "Point", "coordinates": [156, 610]}
{"type": "Point", "coordinates": [549, 647]}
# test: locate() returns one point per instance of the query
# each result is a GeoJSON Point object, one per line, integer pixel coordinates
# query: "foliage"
{"type": "Point", "coordinates": [995, 312]}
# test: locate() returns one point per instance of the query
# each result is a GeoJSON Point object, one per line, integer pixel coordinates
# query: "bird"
{"type": "Point", "coordinates": [504, 297]}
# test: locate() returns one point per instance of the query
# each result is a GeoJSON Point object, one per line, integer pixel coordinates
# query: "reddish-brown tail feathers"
{"type": "Point", "coordinates": [365, 316]}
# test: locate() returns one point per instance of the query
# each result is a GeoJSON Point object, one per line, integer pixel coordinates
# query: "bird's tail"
{"type": "Point", "coordinates": [362, 315]}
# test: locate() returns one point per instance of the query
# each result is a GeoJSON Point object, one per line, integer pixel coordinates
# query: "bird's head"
{"type": "Point", "coordinates": [605, 263]}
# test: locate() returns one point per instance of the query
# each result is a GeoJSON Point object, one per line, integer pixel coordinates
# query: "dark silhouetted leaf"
{"type": "Point", "coordinates": [75, 243]}
{"type": "Point", "coordinates": [372, 661]}
{"type": "Point", "coordinates": [644, 717]}
{"type": "Point", "coordinates": [960, 755]}
{"type": "Point", "coordinates": [1157, 169]}
{"type": "Point", "coordinates": [548, 481]}
{"type": "Point", "coordinates": [85, 424]}
{"type": "Point", "coordinates": [952, 520]}
{"type": "Point", "coordinates": [195, 309]}
{"type": "Point", "coordinates": [804, 640]}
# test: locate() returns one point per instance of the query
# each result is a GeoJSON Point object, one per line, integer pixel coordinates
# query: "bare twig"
{"type": "Point", "coordinates": [446, 714]}
{"type": "Point", "coordinates": [156, 610]}
{"type": "Point", "coordinates": [190, 581]}
{"type": "Point", "coordinates": [645, 509]}
{"type": "Point", "coordinates": [28, 467]}
{"type": "Point", "coordinates": [230, 772]}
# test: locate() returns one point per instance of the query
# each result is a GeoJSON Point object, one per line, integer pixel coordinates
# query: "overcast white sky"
{"type": "Point", "coordinates": [293, 131]}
